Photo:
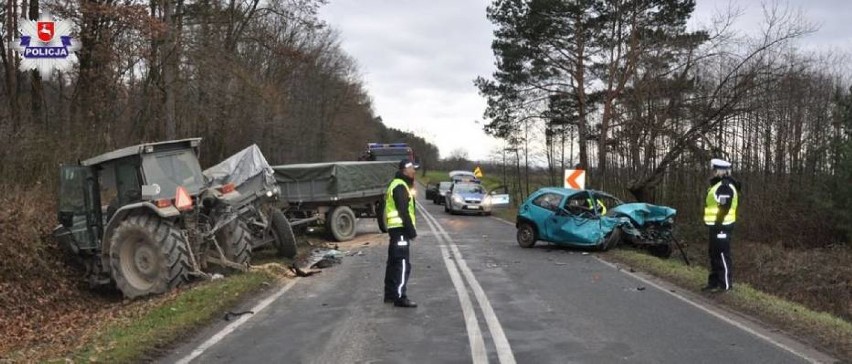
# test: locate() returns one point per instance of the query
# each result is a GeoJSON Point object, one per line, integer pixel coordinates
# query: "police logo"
{"type": "Point", "coordinates": [46, 45]}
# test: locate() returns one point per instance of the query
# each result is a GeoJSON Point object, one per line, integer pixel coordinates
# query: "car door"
{"type": "Point", "coordinates": [79, 209]}
{"type": "Point", "coordinates": [499, 197]}
{"type": "Point", "coordinates": [574, 223]}
{"type": "Point", "coordinates": [541, 209]}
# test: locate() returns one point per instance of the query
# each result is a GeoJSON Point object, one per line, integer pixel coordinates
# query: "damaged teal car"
{"type": "Point", "coordinates": [594, 219]}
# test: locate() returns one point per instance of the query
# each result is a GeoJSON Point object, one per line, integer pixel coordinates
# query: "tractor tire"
{"type": "Point", "coordinates": [526, 235]}
{"type": "Point", "coordinates": [148, 255]}
{"type": "Point", "coordinates": [341, 223]}
{"type": "Point", "coordinates": [235, 241]}
{"type": "Point", "coordinates": [285, 239]}
{"type": "Point", "coordinates": [381, 219]}
{"type": "Point", "coordinates": [612, 240]}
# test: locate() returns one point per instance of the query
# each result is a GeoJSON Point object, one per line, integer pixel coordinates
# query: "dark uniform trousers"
{"type": "Point", "coordinates": [721, 266]}
{"type": "Point", "coordinates": [398, 266]}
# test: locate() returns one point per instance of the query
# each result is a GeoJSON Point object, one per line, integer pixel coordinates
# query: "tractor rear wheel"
{"type": "Point", "coordinates": [148, 255]}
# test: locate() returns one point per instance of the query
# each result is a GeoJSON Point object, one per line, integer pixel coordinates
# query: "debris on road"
{"type": "Point", "coordinates": [300, 273]}
{"type": "Point", "coordinates": [231, 314]}
{"type": "Point", "coordinates": [640, 288]}
{"type": "Point", "coordinates": [216, 276]}
{"type": "Point", "coordinates": [561, 263]}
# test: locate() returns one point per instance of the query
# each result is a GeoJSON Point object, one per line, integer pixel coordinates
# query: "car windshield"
{"type": "Point", "coordinates": [468, 188]}
{"type": "Point", "coordinates": [444, 186]}
{"type": "Point", "coordinates": [170, 170]}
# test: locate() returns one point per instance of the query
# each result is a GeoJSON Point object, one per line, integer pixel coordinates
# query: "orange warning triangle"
{"type": "Point", "coordinates": [182, 201]}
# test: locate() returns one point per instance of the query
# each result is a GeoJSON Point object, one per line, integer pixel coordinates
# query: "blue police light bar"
{"type": "Point", "coordinates": [392, 145]}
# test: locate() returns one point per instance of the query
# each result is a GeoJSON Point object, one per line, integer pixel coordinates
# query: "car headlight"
{"type": "Point", "coordinates": [457, 199]}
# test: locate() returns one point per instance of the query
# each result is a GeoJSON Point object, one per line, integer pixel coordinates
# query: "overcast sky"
{"type": "Point", "coordinates": [418, 58]}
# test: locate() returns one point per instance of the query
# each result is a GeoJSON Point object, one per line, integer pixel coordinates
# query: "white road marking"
{"type": "Point", "coordinates": [474, 333]}
{"type": "Point", "coordinates": [234, 325]}
{"type": "Point", "coordinates": [716, 314]}
{"type": "Point", "coordinates": [504, 350]}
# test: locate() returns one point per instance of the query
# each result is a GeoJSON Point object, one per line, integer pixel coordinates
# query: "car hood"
{"type": "Point", "coordinates": [643, 213]}
{"type": "Point", "coordinates": [472, 196]}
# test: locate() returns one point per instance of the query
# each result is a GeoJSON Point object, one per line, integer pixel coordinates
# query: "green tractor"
{"type": "Point", "coordinates": [142, 218]}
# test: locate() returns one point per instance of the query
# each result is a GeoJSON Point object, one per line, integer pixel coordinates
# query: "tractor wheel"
{"type": "Point", "coordinates": [381, 219]}
{"type": "Point", "coordinates": [285, 240]}
{"type": "Point", "coordinates": [148, 255]}
{"type": "Point", "coordinates": [612, 240]}
{"type": "Point", "coordinates": [526, 235]}
{"type": "Point", "coordinates": [235, 241]}
{"type": "Point", "coordinates": [341, 223]}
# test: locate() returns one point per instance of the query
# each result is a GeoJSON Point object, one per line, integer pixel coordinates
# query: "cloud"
{"type": "Point", "coordinates": [419, 59]}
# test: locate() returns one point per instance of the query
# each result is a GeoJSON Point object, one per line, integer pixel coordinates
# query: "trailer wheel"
{"type": "Point", "coordinates": [381, 219]}
{"type": "Point", "coordinates": [341, 223]}
{"type": "Point", "coordinates": [285, 240]}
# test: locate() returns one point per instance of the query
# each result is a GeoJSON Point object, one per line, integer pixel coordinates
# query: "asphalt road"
{"type": "Point", "coordinates": [484, 299]}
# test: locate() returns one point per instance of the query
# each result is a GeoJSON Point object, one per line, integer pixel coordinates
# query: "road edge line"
{"type": "Point", "coordinates": [234, 325]}
{"type": "Point", "coordinates": [715, 313]}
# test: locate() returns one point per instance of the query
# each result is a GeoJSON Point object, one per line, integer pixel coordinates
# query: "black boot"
{"type": "Point", "coordinates": [404, 302]}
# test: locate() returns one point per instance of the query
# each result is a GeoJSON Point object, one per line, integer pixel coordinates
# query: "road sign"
{"type": "Point", "coordinates": [477, 172]}
{"type": "Point", "coordinates": [575, 178]}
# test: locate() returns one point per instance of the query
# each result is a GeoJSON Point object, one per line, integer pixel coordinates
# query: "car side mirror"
{"type": "Point", "coordinates": [66, 218]}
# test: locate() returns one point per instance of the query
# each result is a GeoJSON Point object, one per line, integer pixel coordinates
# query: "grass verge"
{"type": "Point", "coordinates": [160, 322]}
{"type": "Point", "coordinates": [824, 330]}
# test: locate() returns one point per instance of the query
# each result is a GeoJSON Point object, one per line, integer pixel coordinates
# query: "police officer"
{"type": "Point", "coordinates": [720, 213]}
{"type": "Point", "coordinates": [399, 213]}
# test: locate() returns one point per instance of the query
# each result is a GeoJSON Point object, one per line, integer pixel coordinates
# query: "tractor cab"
{"type": "Point", "coordinates": [163, 176]}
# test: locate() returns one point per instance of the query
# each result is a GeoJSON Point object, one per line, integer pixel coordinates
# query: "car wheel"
{"type": "Point", "coordinates": [612, 240]}
{"type": "Point", "coordinates": [526, 235]}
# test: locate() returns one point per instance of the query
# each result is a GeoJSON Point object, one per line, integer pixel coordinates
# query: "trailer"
{"type": "Point", "coordinates": [334, 194]}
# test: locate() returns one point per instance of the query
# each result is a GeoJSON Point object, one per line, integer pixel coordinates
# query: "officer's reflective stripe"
{"type": "Point", "coordinates": [401, 281]}
{"type": "Point", "coordinates": [711, 204]}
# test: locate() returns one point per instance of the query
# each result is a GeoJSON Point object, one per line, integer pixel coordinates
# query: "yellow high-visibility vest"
{"type": "Point", "coordinates": [391, 212]}
{"type": "Point", "coordinates": [601, 207]}
{"type": "Point", "coordinates": [711, 206]}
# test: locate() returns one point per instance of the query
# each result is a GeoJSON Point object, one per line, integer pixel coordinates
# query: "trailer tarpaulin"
{"type": "Point", "coordinates": [333, 180]}
{"type": "Point", "coordinates": [239, 168]}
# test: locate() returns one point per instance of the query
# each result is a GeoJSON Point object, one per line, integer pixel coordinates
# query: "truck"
{"type": "Point", "coordinates": [388, 152]}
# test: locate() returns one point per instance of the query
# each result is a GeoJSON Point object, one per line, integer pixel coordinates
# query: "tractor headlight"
{"type": "Point", "coordinates": [269, 194]}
